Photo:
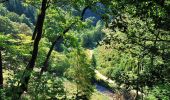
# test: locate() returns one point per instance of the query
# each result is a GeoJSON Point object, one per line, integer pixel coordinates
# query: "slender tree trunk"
{"type": "Point", "coordinates": [45, 64]}
{"type": "Point", "coordinates": [83, 12]}
{"type": "Point", "coordinates": [27, 73]}
{"type": "Point", "coordinates": [1, 72]}
{"type": "Point", "coordinates": [34, 33]}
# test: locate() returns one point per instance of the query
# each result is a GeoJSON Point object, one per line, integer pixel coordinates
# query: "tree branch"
{"type": "Point", "coordinates": [2, 1]}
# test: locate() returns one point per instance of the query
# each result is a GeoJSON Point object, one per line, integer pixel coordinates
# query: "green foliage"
{"type": "Point", "coordinates": [58, 64]}
{"type": "Point", "coordinates": [56, 21]}
{"type": "Point", "coordinates": [6, 25]}
{"type": "Point", "coordinates": [18, 7]}
{"type": "Point", "coordinates": [49, 87]}
{"type": "Point", "coordinates": [14, 23]}
{"type": "Point", "coordinates": [91, 36]}
{"type": "Point", "coordinates": [159, 92]}
{"type": "Point", "coordinates": [80, 72]}
{"type": "Point", "coordinates": [132, 48]}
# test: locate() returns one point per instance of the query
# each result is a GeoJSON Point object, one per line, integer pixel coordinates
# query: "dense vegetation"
{"type": "Point", "coordinates": [60, 49]}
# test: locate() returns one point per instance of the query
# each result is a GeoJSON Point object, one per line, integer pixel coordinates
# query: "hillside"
{"type": "Point", "coordinates": [84, 49]}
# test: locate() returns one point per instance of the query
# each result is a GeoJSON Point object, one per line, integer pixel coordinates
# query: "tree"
{"type": "Point", "coordinates": [146, 33]}
{"type": "Point", "coordinates": [81, 73]}
{"type": "Point", "coordinates": [45, 64]}
{"type": "Point", "coordinates": [6, 25]}
{"type": "Point", "coordinates": [29, 68]}
{"type": "Point", "coordinates": [37, 34]}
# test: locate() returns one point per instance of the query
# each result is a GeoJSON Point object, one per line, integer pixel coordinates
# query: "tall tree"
{"type": "Point", "coordinates": [45, 64]}
{"type": "Point", "coordinates": [29, 68]}
{"type": "Point", "coordinates": [81, 72]}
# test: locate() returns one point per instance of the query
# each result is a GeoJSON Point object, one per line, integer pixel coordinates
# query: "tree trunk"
{"type": "Point", "coordinates": [45, 64]}
{"type": "Point", "coordinates": [1, 72]}
{"type": "Point", "coordinates": [34, 33]}
{"type": "Point", "coordinates": [27, 73]}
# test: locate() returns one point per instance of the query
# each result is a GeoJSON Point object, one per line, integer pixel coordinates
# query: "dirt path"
{"type": "Point", "coordinates": [106, 79]}
{"type": "Point", "coordinates": [98, 74]}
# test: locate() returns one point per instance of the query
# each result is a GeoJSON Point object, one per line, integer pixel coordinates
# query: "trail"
{"type": "Point", "coordinates": [100, 88]}
{"type": "Point", "coordinates": [98, 74]}
{"type": "Point", "coordinates": [106, 91]}
{"type": "Point", "coordinates": [103, 77]}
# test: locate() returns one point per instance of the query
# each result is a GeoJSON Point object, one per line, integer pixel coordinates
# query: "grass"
{"type": "Point", "coordinates": [71, 90]}
{"type": "Point", "coordinates": [98, 96]}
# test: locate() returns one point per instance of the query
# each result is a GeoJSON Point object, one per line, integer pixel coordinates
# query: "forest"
{"type": "Point", "coordinates": [84, 49]}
